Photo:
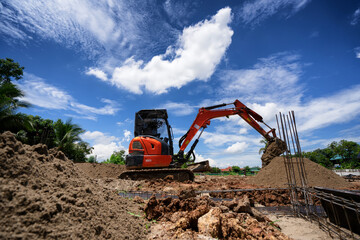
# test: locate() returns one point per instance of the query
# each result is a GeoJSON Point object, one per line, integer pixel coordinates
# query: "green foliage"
{"type": "Point", "coordinates": [118, 157]}
{"type": "Point", "coordinates": [246, 170]}
{"type": "Point", "coordinates": [236, 169]}
{"type": "Point", "coordinates": [42, 132]}
{"type": "Point", "coordinates": [33, 130]}
{"type": "Point", "coordinates": [347, 150]}
{"type": "Point", "coordinates": [92, 159]}
{"type": "Point", "coordinates": [10, 69]}
{"type": "Point", "coordinates": [67, 139]}
{"type": "Point", "coordinates": [10, 120]}
{"type": "Point", "coordinates": [266, 143]}
{"type": "Point", "coordinates": [215, 170]}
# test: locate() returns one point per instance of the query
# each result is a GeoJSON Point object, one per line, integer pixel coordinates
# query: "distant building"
{"type": "Point", "coordinates": [228, 169]}
{"type": "Point", "coordinates": [336, 160]}
{"type": "Point", "coordinates": [254, 170]}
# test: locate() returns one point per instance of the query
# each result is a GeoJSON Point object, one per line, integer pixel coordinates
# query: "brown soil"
{"type": "Point", "coordinates": [42, 195]}
{"type": "Point", "coordinates": [100, 170]}
{"type": "Point", "coordinates": [199, 218]}
{"type": "Point", "coordinates": [201, 182]}
{"type": "Point", "coordinates": [274, 175]}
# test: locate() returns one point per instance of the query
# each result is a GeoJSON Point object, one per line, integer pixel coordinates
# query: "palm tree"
{"type": "Point", "coordinates": [266, 143]}
{"type": "Point", "coordinates": [66, 133]}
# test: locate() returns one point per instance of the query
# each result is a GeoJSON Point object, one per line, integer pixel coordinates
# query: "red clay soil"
{"type": "Point", "coordinates": [42, 196]}
{"type": "Point", "coordinates": [198, 218]}
{"type": "Point", "coordinates": [101, 170]}
{"type": "Point", "coordinates": [274, 175]}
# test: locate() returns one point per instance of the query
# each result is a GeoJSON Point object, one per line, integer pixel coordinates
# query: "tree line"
{"type": "Point", "coordinates": [346, 153]}
{"type": "Point", "coordinates": [65, 136]}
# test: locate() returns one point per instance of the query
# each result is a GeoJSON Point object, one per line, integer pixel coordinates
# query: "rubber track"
{"type": "Point", "coordinates": [178, 174]}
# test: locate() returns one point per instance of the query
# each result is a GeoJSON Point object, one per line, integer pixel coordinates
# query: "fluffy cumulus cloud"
{"type": "Point", "coordinates": [253, 12]}
{"type": "Point", "coordinates": [237, 147]}
{"type": "Point", "coordinates": [199, 50]}
{"type": "Point", "coordinates": [104, 144]}
{"type": "Point", "coordinates": [44, 95]}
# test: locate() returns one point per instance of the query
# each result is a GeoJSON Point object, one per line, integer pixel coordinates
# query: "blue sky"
{"type": "Point", "coordinates": [98, 62]}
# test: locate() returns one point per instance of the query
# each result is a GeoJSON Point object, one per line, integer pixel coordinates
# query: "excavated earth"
{"type": "Point", "coordinates": [191, 217]}
{"type": "Point", "coordinates": [274, 175]}
{"type": "Point", "coordinates": [43, 195]}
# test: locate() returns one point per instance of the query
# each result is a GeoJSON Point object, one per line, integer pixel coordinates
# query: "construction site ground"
{"type": "Point", "coordinates": [44, 195]}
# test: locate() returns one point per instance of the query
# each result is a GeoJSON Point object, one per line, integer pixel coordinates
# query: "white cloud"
{"type": "Point", "coordinates": [253, 12]}
{"type": "Point", "coordinates": [357, 52]}
{"type": "Point", "coordinates": [341, 107]}
{"type": "Point", "coordinates": [42, 94]}
{"type": "Point", "coordinates": [200, 158]}
{"type": "Point", "coordinates": [97, 73]}
{"type": "Point", "coordinates": [110, 28]}
{"type": "Point", "coordinates": [200, 49]}
{"type": "Point", "coordinates": [104, 144]}
{"type": "Point", "coordinates": [178, 109]}
{"type": "Point", "coordinates": [273, 79]}
{"type": "Point", "coordinates": [237, 147]}
{"type": "Point", "coordinates": [355, 17]}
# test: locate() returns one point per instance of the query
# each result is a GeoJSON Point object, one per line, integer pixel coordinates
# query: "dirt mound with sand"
{"type": "Point", "coordinates": [274, 175]}
{"type": "Point", "coordinates": [192, 217]}
{"type": "Point", "coordinates": [43, 196]}
{"type": "Point", "coordinates": [101, 170]}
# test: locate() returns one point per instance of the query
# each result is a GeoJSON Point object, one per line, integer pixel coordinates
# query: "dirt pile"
{"type": "Point", "coordinates": [274, 175]}
{"type": "Point", "coordinates": [43, 196]}
{"type": "Point", "coordinates": [101, 170]}
{"type": "Point", "coordinates": [199, 218]}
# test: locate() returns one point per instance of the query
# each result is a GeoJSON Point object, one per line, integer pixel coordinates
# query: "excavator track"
{"type": "Point", "coordinates": [176, 174]}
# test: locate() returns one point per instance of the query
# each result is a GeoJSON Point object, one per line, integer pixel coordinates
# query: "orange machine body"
{"type": "Point", "coordinates": [149, 152]}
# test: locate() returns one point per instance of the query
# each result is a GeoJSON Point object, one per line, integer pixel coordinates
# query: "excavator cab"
{"type": "Point", "coordinates": [152, 146]}
{"type": "Point", "coordinates": [154, 123]}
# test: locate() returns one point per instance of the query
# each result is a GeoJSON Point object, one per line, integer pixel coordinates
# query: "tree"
{"type": "Point", "coordinates": [266, 143]}
{"type": "Point", "coordinates": [246, 170]}
{"type": "Point", "coordinates": [347, 150]}
{"type": "Point", "coordinates": [10, 70]}
{"type": "Point", "coordinates": [42, 132]}
{"type": "Point", "coordinates": [92, 159]}
{"type": "Point", "coordinates": [215, 170]}
{"type": "Point", "coordinates": [9, 98]}
{"type": "Point", "coordinates": [68, 140]}
{"type": "Point", "coordinates": [118, 157]}
{"type": "Point", "coordinates": [236, 169]}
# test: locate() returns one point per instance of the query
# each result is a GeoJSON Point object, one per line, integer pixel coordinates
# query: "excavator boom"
{"type": "Point", "coordinates": [204, 116]}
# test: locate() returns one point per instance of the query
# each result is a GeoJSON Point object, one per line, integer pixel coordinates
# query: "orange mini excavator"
{"type": "Point", "coordinates": [151, 153]}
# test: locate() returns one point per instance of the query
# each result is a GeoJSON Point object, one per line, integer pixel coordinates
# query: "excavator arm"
{"type": "Point", "coordinates": [204, 116]}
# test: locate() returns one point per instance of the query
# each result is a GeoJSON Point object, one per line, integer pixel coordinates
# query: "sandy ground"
{"type": "Point", "coordinates": [299, 228]}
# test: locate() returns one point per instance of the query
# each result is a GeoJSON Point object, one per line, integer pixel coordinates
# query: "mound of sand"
{"type": "Point", "coordinates": [43, 196]}
{"type": "Point", "coordinates": [274, 175]}
{"type": "Point", "coordinates": [101, 170]}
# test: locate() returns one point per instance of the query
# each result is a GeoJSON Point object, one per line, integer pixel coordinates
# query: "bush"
{"type": "Point", "coordinates": [118, 157]}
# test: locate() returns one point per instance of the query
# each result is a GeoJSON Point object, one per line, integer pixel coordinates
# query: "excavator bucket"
{"type": "Point", "coordinates": [274, 149]}
{"type": "Point", "coordinates": [203, 166]}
